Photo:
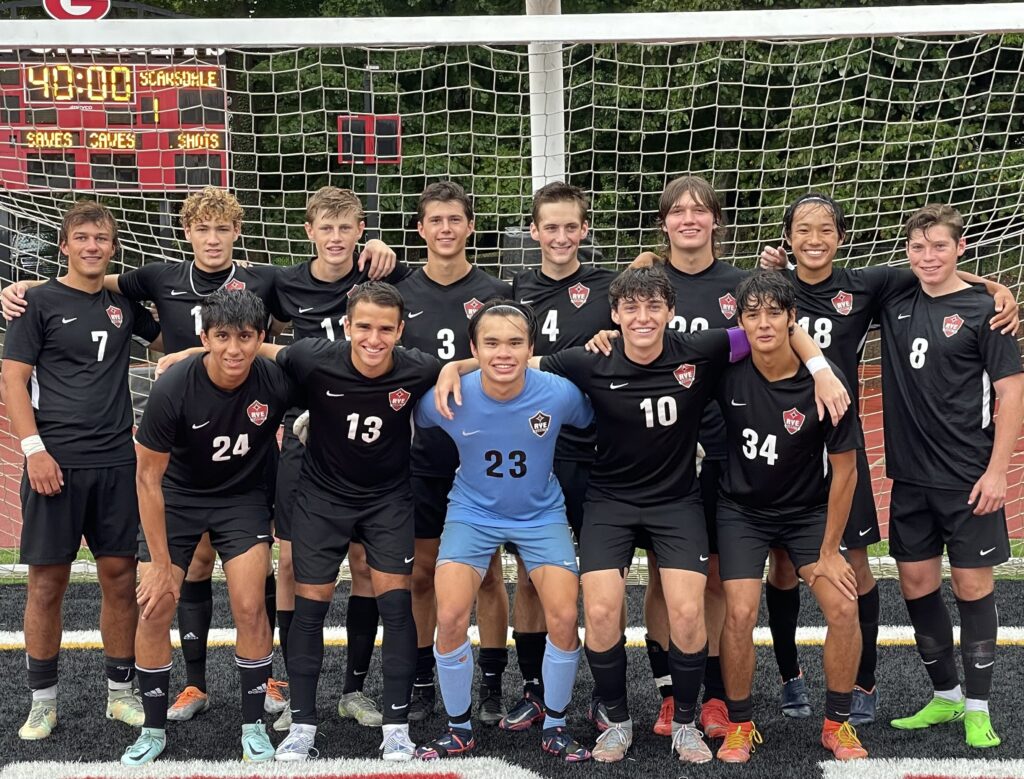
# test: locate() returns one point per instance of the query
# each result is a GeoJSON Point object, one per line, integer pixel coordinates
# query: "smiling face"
{"type": "Point", "coordinates": [502, 345]}
{"type": "Point", "coordinates": [335, 236]}
{"type": "Point", "coordinates": [212, 240]}
{"type": "Point", "coordinates": [232, 351]}
{"type": "Point", "coordinates": [689, 225]}
{"type": "Point", "coordinates": [559, 229]}
{"type": "Point", "coordinates": [643, 321]}
{"type": "Point", "coordinates": [89, 247]}
{"type": "Point", "coordinates": [814, 237]}
{"type": "Point", "coordinates": [445, 227]}
{"type": "Point", "coordinates": [933, 253]}
{"type": "Point", "coordinates": [374, 330]}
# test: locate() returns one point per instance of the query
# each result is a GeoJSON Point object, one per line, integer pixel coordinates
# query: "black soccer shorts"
{"type": "Point", "coordinates": [430, 503]}
{"type": "Point", "coordinates": [573, 476]}
{"type": "Point", "coordinates": [923, 520]}
{"type": "Point", "coordinates": [862, 527]}
{"type": "Point", "coordinates": [97, 503]}
{"type": "Point", "coordinates": [744, 539]}
{"type": "Point", "coordinates": [289, 466]}
{"type": "Point", "coordinates": [710, 476]}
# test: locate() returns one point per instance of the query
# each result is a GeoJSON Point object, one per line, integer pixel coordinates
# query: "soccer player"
{"type": "Point", "coordinates": [439, 298]}
{"type": "Point", "coordinates": [65, 384]}
{"type": "Point", "coordinates": [837, 306]}
{"type": "Point", "coordinates": [570, 301]}
{"type": "Point", "coordinates": [202, 451]}
{"type": "Point", "coordinates": [313, 296]}
{"type": "Point", "coordinates": [506, 431]}
{"type": "Point", "coordinates": [775, 492]}
{"type": "Point", "coordinates": [643, 487]}
{"type": "Point", "coordinates": [948, 454]}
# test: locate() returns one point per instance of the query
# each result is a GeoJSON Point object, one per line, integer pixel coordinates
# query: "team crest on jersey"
{"type": "Point", "coordinates": [399, 398]}
{"type": "Point", "coordinates": [685, 374]}
{"type": "Point", "coordinates": [116, 317]}
{"type": "Point", "coordinates": [578, 294]}
{"type": "Point", "coordinates": [951, 325]}
{"type": "Point", "coordinates": [843, 302]}
{"type": "Point", "coordinates": [258, 412]}
{"type": "Point", "coordinates": [234, 285]}
{"type": "Point", "coordinates": [539, 423]}
{"type": "Point", "coordinates": [793, 420]}
{"type": "Point", "coordinates": [471, 307]}
{"type": "Point", "coordinates": [727, 304]}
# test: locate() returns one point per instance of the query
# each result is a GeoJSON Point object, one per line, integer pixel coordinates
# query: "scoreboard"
{"type": "Point", "coordinates": [93, 126]}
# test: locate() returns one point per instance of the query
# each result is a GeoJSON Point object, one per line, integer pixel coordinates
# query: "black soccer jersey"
{"type": "Point", "coordinates": [646, 414]}
{"type": "Point", "coordinates": [777, 465]}
{"type": "Point", "coordinates": [178, 289]}
{"type": "Point", "coordinates": [569, 312]}
{"type": "Point", "coordinates": [939, 359]}
{"type": "Point", "coordinates": [837, 312]}
{"type": "Point", "coordinates": [80, 345]}
{"type": "Point", "coordinates": [707, 300]}
{"type": "Point", "coordinates": [436, 322]}
{"type": "Point", "coordinates": [359, 428]}
{"type": "Point", "coordinates": [218, 439]}
{"type": "Point", "coordinates": [316, 308]}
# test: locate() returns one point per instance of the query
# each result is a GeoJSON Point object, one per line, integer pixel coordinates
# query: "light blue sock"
{"type": "Point", "coordinates": [455, 675]}
{"type": "Point", "coordinates": [559, 674]}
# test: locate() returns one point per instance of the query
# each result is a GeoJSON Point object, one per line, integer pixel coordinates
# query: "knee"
{"type": "Point", "coordinates": [688, 613]}
{"type": "Point", "coordinates": [971, 590]}
{"type": "Point", "coordinates": [423, 578]}
{"type": "Point", "coordinates": [451, 619]}
{"type": "Point", "coordinates": [46, 593]}
{"type": "Point", "coordinates": [250, 615]}
{"type": "Point", "coordinates": [740, 617]}
{"type": "Point", "coordinates": [563, 623]}
{"type": "Point", "coordinates": [603, 617]}
{"type": "Point", "coordinates": [843, 614]}
{"type": "Point", "coordinates": [159, 620]}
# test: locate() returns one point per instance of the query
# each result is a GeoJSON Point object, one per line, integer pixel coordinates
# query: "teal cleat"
{"type": "Point", "coordinates": [147, 747]}
{"type": "Point", "coordinates": [256, 746]}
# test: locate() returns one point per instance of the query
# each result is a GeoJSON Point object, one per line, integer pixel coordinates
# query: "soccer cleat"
{"type": "Point", "coordinates": [355, 705]}
{"type": "Point", "coordinates": [42, 719]}
{"type": "Point", "coordinates": [527, 712]}
{"type": "Point", "coordinates": [558, 742]}
{"type": "Point", "coordinates": [283, 723]}
{"type": "Point", "coordinates": [688, 744]}
{"type": "Point", "coordinates": [491, 709]}
{"type": "Point", "coordinates": [455, 741]}
{"type": "Point", "coordinates": [714, 718]}
{"type": "Point", "coordinates": [663, 725]}
{"type": "Point", "coordinates": [125, 706]}
{"type": "Point", "coordinates": [842, 741]}
{"type": "Point", "coordinates": [938, 711]}
{"type": "Point", "coordinates": [277, 697]}
{"type": "Point", "coordinates": [424, 699]}
{"type": "Point", "coordinates": [978, 729]}
{"type": "Point", "coordinates": [795, 703]}
{"type": "Point", "coordinates": [863, 706]}
{"type": "Point", "coordinates": [297, 745]}
{"type": "Point", "coordinates": [190, 702]}
{"type": "Point", "coordinates": [147, 747]}
{"type": "Point", "coordinates": [256, 746]}
{"type": "Point", "coordinates": [598, 714]}
{"type": "Point", "coordinates": [612, 745]}
{"type": "Point", "coordinates": [740, 742]}
{"type": "Point", "coordinates": [397, 746]}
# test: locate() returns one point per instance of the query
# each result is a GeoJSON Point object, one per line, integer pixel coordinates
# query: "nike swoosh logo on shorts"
{"type": "Point", "coordinates": [335, 394]}
{"type": "Point", "coordinates": [196, 427]}
{"type": "Point", "coordinates": [176, 292]}
{"type": "Point", "coordinates": [262, 536]}
{"type": "Point", "coordinates": [987, 551]}
{"type": "Point", "coordinates": [409, 559]}
{"type": "Point", "coordinates": [703, 558]}
{"type": "Point", "coordinates": [863, 533]}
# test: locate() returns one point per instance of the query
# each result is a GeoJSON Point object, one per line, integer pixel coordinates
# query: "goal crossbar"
{"type": "Point", "coordinates": [796, 24]}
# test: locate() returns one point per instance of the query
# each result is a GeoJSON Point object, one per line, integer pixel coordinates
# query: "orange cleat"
{"type": "Point", "coordinates": [714, 718]}
{"type": "Point", "coordinates": [739, 742]}
{"type": "Point", "coordinates": [663, 725]}
{"type": "Point", "coordinates": [840, 738]}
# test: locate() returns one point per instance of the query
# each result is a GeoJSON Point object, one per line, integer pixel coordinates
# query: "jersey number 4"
{"type": "Point", "coordinates": [516, 459]}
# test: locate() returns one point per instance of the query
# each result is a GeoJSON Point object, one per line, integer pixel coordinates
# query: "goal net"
{"type": "Point", "coordinates": [864, 104]}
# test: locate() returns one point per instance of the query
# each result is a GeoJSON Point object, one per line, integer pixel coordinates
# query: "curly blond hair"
{"type": "Point", "coordinates": [211, 203]}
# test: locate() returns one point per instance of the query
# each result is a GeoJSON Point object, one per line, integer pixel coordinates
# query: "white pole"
{"type": "Point", "coordinates": [547, 103]}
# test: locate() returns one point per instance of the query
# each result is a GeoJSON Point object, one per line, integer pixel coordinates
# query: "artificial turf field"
{"type": "Point", "coordinates": [790, 750]}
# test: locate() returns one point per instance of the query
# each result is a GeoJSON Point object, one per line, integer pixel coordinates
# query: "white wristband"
{"type": "Point", "coordinates": [31, 445]}
{"type": "Point", "coordinates": [816, 364]}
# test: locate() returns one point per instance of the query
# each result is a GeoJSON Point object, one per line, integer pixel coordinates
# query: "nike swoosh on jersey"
{"type": "Point", "coordinates": [413, 314]}
{"type": "Point", "coordinates": [176, 292]}
{"type": "Point", "coordinates": [526, 302]}
{"type": "Point", "coordinates": [306, 310]}
{"type": "Point", "coordinates": [903, 316]}
{"type": "Point", "coordinates": [335, 394]}
{"type": "Point", "coordinates": [468, 433]}
{"type": "Point", "coordinates": [734, 403]}
{"type": "Point", "coordinates": [196, 427]}
{"type": "Point", "coordinates": [615, 386]}
{"type": "Point", "coordinates": [64, 321]}
{"type": "Point", "coordinates": [262, 536]}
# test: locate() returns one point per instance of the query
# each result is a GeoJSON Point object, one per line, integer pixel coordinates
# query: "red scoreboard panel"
{"type": "Point", "coordinates": [112, 126]}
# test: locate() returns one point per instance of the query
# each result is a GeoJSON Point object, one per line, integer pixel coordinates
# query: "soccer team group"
{"type": "Point", "coordinates": [686, 407]}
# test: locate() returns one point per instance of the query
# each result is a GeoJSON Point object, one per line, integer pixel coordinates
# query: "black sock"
{"type": "Point", "coordinates": [424, 667]}
{"type": "Point", "coordinates": [867, 607]}
{"type": "Point", "coordinates": [284, 623]}
{"type": "Point", "coordinates": [609, 671]}
{"type": "Point", "coordinates": [119, 669]}
{"type": "Point", "coordinates": [714, 684]}
{"type": "Point", "coordinates": [361, 626]}
{"type": "Point", "coordinates": [687, 673]}
{"type": "Point", "coordinates": [153, 685]}
{"type": "Point", "coordinates": [658, 658]}
{"type": "Point", "coordinates": [41, 673]}
{"type": "Point", "coordinates": [530, 653]}
{"type": "Point", "coordinates": [741, 710]}
{"type": "Point", "coordinates": [979, 625]}
{"type": "Point", "coordinates": [195, 611]}
{"type": "Point", "coordinates": [306, 657]}
{"type": "Point", "coordinates": [270, 599]}
{"type": "Point", "coordinates": [837, 705]}
{"type": "Point", "coordinates": [397, 654]}
{"type": "Point", "coordinates": [253, 675]}
{"type": "Point", "coordinates": [783, 615]}
{"type": "Point", "coordinates": [493, 661]}
{"type": "Point", "coordinates": [933, 632]}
